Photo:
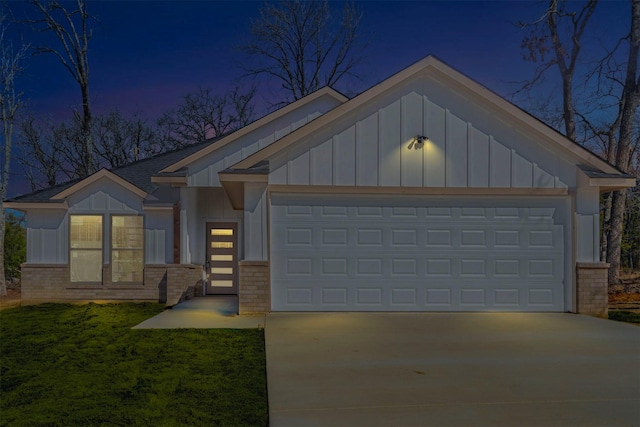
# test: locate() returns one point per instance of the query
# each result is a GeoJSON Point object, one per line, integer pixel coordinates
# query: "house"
{"type": "Point", "coordinates": [427, 192]}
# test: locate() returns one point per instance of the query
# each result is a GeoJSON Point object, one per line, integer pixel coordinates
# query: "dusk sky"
{"type": "Point", "coordinates": [144, 55]}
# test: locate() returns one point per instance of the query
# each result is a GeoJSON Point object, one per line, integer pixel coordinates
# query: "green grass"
{"type": "Point", "coordinates": [624, 316]}
{"type": "Point", "coordinates": [83, 365]}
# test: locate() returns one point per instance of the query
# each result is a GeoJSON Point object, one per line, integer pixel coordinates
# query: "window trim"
{"type": "Point", "coordinates": [101, 249]}
{"type": "Point", "coordinates": [111, 249]}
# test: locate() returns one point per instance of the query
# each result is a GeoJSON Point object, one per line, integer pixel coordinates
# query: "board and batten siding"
{"type": "Point", "coordinates": [197, 207]}
{"type": "Point", "coordinates": [48, 229]}
{"type": "Point", "coordinates": [204, 172]}
{"type": "Point", "coordinates": [158, 237]}
{"type": "Point", "coordinates": [380, 149]}
{"type": "Point", "coordinates": [47, 236]}
{"type": "Point", "coordinates": [255, 222]}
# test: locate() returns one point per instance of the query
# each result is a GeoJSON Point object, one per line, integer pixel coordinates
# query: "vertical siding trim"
{"type": "Point", "coordinates": [334, 160]}
{"type": "Point", "coordinates": [356, 148]}
{"type": "Point", "coordinates": [491, 180]}
{"type": "Point", "coordinates": [380, 157]}
{"type": "Point", "coordinates": [468, 168]}
{"type": "Point", "coordinates": [402, 131]}
{"type": "Point", "coordinates": [425, 127]}
{"type": "Point", "coordinates": [512, 161]}
{"type": "Point", "coordinates": [447, 148]}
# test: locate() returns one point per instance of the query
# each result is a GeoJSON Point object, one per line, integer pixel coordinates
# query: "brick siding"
{"type": "Point", "coordinates": [592, 287]}
{"type": "Point", "coordinates": [254, 290]}
{"type": "Point", "coordinates": [170, 284]}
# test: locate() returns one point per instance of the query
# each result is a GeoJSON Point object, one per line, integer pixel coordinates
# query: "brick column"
{"type": "Point", "coordinates": [592, 288]}
{"type": "Point", "coordinates": [254, 290]}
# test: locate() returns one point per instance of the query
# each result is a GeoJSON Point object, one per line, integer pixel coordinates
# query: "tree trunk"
{"type": "Point", "coordinates": [630, 101]}
{"type": "Point", "coordinates": [3, 282]}
{"type": "Point", "coordinates": [86, 131]}
{"type": "Point", "coordinates": [569, 112]}
{"type": "Point", "coordinates": [614, 239]}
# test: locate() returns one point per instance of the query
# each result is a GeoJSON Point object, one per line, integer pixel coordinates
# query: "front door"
{"type": "Point", "coordinates": [222, 258]}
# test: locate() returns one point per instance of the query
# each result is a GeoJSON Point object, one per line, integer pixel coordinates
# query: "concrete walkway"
{"type": "Point", "coordinates": [451, 369]}
{"type": "Point", "coordinates": [218, 311]}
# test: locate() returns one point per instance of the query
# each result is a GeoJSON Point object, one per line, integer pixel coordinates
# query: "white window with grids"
{"type": "Point", "coordinates": [127, 249]}
{"type": "Point", "coordinates": [85, 243]}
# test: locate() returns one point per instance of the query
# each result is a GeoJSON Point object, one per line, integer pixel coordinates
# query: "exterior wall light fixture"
{"type": "Point", "coordinates": [420, 139]}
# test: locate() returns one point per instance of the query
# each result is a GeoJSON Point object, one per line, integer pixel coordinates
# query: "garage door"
{"type": "Point", "coordinates": [358, 253]}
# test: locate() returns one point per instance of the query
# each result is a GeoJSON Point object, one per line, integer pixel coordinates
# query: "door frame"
{"type": "Point", "coordinates": [214, 290]}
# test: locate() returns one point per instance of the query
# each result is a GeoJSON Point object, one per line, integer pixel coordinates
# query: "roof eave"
{"type": "Point", "coordinates": [102, 173]}
{"type": "Point", "coordinates": [45, 204]}
{"type": "Point", "coordinates": [438, 69]}
{"type": "Point", "coordinates": [612, 183]}
{"type": "Point", "coordinates": [256, 125]}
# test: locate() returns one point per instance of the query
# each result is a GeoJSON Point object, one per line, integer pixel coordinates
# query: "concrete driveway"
{"type": "Point", "coordinates": [458, 369]}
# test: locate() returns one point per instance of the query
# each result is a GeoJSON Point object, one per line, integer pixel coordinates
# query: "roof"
{"type": "Point", "coordinates": [324, 91]}
{"type": "Point", "coordinates": [434, 67]}
{"type": "Point", "coordinates": [172, 164]}
{"type": "Point", "coordinates": [137, 173]}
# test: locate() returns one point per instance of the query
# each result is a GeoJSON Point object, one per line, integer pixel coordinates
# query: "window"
{"type": "Point", "coordinates": [127, 249]}
{"type": "Point", "coordinates": [85, 242]}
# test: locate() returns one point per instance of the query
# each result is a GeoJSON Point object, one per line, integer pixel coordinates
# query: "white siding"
{"type": "Point", "coordinates": [48, 229]}
{"type": "Point", "coordinates": [344, 149]}
{"type": "Point", "coordinates": [255, 222]}
{"type": "Point", "coordinates": [199, 206]}
{"type": "Point", "coordinates": [587, 221]}
{"type": "Point", "coordinates": [435, 149]}
{"type": "Point", "coordinates": [47, 236]}
{"type": "Point", "coordinates": [389, 146]}
{"type": "Point", "coordinates": [466, 147]}
{"type": "Point", "coordinates": [204, 172]}
{"type": "Point", "coordinates": [366, 150]}
{"type": "Point", "coordinates": [158, 237]}
{"type": "Point", "coordinates": [412, 125]}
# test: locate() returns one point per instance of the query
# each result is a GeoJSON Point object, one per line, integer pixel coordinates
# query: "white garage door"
{"type": "Point", "coordinates": [360, 253]}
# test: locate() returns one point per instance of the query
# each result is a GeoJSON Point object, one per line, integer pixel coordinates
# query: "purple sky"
{"type": "Point", "coordinates": [145, 55]}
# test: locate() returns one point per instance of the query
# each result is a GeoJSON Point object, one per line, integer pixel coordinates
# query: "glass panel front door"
{"type": "Point", "coordinates": [222, 258]}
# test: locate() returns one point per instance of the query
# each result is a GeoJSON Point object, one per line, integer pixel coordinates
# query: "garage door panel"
{"type": "Point", "coordinates": [406, 298]}
{"type": "Point", "coordinates": [533, 267]}
{"type": "Point", "coordinates": [414, 254]}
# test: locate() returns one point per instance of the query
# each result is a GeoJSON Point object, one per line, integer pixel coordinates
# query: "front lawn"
{"type": "Point", "coordinates": [83, 365]}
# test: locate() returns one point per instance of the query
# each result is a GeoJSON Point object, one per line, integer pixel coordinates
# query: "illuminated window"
{"type": "Point", "coordinates": [222, 245]}
{"type": "Point", "coordinates": [222, 232]}
{"type": "Point", "coordinates": [85, 243]}
{"type": "Point", "coordinates": [127, 249]}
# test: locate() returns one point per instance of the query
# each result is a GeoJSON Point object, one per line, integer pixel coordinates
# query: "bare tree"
{"type": "Point", "coordinates": [546, 37]}
{"type": "Point", "coordinates": [204, 114]}
{"type": "Point", "coordinates": [40, 154]}
{"type": "Point", "coordinates": [121, 140]}
{"type": "Point", "coordinates": [71, 28]}
{"type": "Point", "coordinates": [630, 100]}
{"type": "Point", "coordinates": [50, 153]}
{"type": "Point", "coordinates": [302, 46]}
{"type": "Point", "coordinates": [10, 103]}
{"type": "Point", "coordinates": [608, 119]}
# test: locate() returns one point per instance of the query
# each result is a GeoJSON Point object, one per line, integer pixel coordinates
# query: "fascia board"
{"type": "Point", "coordinates": [173, 180]}
{"type": "Point", "coordinates": [440, 71]}
{"type": "Point", "coordinates": [330, 116]}
{"type": "Point", "coordinates": [23, 206]}
{"type": "Point", "coordinates": [102, 173]}
{"type": "Point", "coordinates": [254, 126]}
{"type": "Point", "coordinates": [612, 184]}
